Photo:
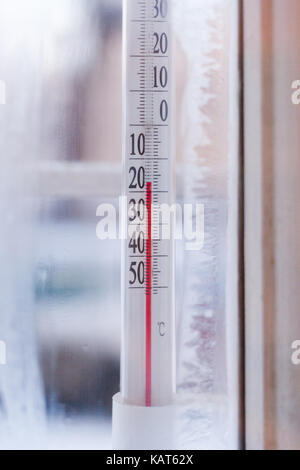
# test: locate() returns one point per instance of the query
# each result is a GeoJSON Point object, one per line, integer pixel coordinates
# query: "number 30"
{"type": "Point", "coordinates": [161, 8]}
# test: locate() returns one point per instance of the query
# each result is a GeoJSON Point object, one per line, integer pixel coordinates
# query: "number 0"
{"type": "Point", "coordinates": [164, 110]}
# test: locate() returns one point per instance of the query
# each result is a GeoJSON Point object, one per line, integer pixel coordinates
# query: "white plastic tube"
{"type": "Point", "coordinates": [148, 324]}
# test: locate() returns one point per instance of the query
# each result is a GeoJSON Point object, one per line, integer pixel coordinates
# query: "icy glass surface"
{"type": "Point", "coordinates": [60, 301]}
{"type": "Point", "coordinates": [207, 333]}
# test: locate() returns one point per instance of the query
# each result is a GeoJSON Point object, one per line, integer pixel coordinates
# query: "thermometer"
{"type": "Point", "coordinates": [143, 409]}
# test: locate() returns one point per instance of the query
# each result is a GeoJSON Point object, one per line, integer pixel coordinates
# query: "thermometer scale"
{"type": "Point", "coordinates": [144, 405]}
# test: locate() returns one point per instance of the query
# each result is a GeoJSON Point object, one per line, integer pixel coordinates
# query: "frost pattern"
{"type": "Point", "coordinates": [31, 48]}
{"type": "Point", "coordinates": [201, 28]}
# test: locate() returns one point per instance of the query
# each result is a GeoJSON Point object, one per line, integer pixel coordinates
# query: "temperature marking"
{"type": "Point", "coordinates": [147, 351]}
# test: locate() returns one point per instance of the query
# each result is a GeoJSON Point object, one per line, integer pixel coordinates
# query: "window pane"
{"type": "Point", "coordinates": [60, 150]}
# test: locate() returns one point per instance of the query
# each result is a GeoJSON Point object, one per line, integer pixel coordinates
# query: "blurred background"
{"type": "Point", "coordinates": [60, 153]}
{"type": "Point", "coordinates": [61, 142]}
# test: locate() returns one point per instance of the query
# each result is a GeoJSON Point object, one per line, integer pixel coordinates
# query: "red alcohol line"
{"type": "Point", "coordinates": [148, 293]}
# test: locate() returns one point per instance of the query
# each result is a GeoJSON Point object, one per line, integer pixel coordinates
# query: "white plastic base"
{"type": "Point", "coordinates": [142, 428]}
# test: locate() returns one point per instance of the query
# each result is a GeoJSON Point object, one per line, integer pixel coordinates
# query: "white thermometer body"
{"type": "Point", "coordinates": [147, 365]}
